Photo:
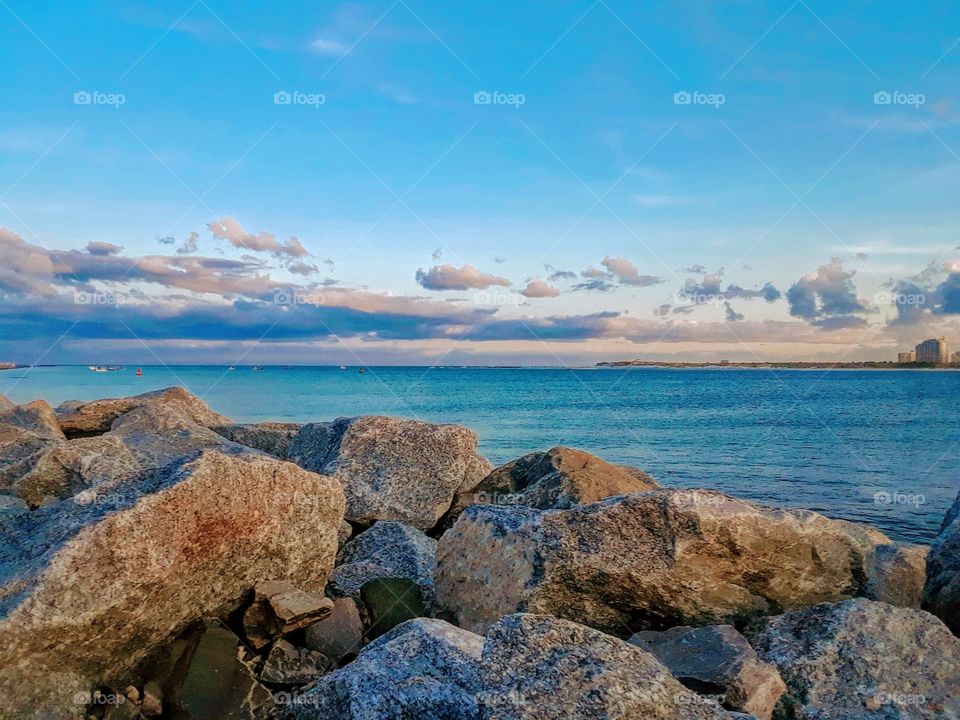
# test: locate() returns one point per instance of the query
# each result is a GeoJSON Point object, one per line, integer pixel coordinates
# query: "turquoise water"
{"type": "Point", "coordinates": [827, 441]}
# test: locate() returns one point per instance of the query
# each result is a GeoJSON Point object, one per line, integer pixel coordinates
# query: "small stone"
{"type": "Point", "coordinates": [390, 602]}
{"type": "Point", "coordinates": [296, 608]}
{"type": "Point", "coordinates": [152, 705]}
{"type": "Point", "coordinates": [132, 693]}
{"type": "Point", "coordinates": [340, 635]}
{"type": "Point", "coordinates": [278, 608]}
{"type": "Point", "coordinates": [290, 666]}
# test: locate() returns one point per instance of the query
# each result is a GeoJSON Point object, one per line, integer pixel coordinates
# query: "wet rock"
{"type": "Point", "coordinates": [424, 669]}
{"type": "Point", "coordinates": [559, 478]}
{"type": "Point", "coordinates": [392, 469]}
{"type": "Point", "coordinates": [941, 593]}
{"type": "Point", "coordinates": [717, 660]}
{"type": "Point", "coordinates": [648, 561]}
{"type": "Point", "coordinates": [273, 438]}
{"type": "Point", "coordinates": [219, 683]}
{"type": "Point", "coordinates": [279, 608]}
{"type": "Point", "coordinates": [391, 601]}
{"type": "Point", "coordinates": [537, 667]}
{"type": "Point", "coordinates": [862, 659]}
{"type": "Point", "coordinates": [291, 666]}
{"type": "Point", "coordinates": [338, 636]}
{"type": "Point", "coordinates": [79, 419]}
{"type": "Point", "coordinates": [184, 542]}
{"type": "Point", "coordinates": [25, 431]}
{"type": "Point", "coordinates": [385, 550]}
{"type": "Point", "coordinates": [897, 574]}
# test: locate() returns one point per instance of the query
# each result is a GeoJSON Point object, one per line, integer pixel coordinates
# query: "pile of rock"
{"type": "Point", "coordinates": [157, 560]}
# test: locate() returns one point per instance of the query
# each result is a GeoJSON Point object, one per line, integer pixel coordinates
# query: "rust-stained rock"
{"type": "Point", "coordinates": [89, 591]}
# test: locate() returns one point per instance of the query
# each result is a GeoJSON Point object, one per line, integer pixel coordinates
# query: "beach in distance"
{"type": "Point", "coordinates": [874, 447]}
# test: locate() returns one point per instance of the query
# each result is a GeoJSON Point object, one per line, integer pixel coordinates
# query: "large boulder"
{"type": "Point", "coordinates": [390, 468]}
{"type": "Point", "coordinates": [79, 419]}
{"type": "Point", "coordinates": [558, 478]}
{"type": "Point", "coordinates": [148, 437]}
{"type": "Point", "coordinates": [25, 432]}
{"type": "Point", "coordinates": [386, 550]}
{"type": "Point", "coordinates": [273, 438]}
{"type": "Point", "coordinates": [648, 561]}
{"type": "Point", "coordinates": [898, 574]}
{"type": "Point", "coordinates": [424, 669]}
{"type": "Point", "coordinates": [718, 660]}
{"type": "Point", "coordinates": [862, 659]}
{"type": "Point", "coordinates": [537, 667]}
{"type": "Point", "coordinates": [941, 593]}
{"type": "Point", "coordinates": [338, 636]}
{"type": "Point", "coordinates": [88, 590]}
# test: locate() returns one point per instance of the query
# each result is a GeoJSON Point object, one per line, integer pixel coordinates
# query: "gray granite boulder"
{"type": "Point", "coordinates": [897, 574]}
{"type": "Point", "coordinates": [385, 550]}
{"type": "Point", "coordinates": [648, 561]}
{"type": "Point", "coordinates": [273, 438]}
{"type": "Point", "coordinates": [941, 593]}
{"type": "Point", "coordinates": [80, 419]}
{"type": "Point", "coordinates": [862, 659]}
{"type": "Point", "coordinates": [88, 590]}
{"type": "Point", "coordinates": [558, 478]}
{"type": "Point", "coordinates": [424, 669]}
{"type": "Point", "coordinates": [393, 469]}
{"type": "Point", "coordinates": [537, 667]}
{"type": "Point", "coordinates": [338, 636]}
{"type": "Point", "coordinates": [717, 660]}
{"type": "Point", "coordinates": [25, 432]}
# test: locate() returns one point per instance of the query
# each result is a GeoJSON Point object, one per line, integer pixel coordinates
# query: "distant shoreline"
{"type": "Point", "coordinates": [825, 365]}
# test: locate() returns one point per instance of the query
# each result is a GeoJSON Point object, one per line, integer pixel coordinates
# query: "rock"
{"type": "Point", "coordinates": [386, 550]}
{"type": "Point", "coordinates": [941, 593]}
{"type": "Point", "coordinates": [273, 438]}
{"type": "Point", "coordinates": [559, 478]}
{"type": "Point", "coordinates": [279, 608]}
{"type": "Point", "coordinates": [391, 601]}
{"type": "Point", "coordinates": [12, 504]}
{"type": "Point", "coordinates": [392, 469]}
{"type": "Point", "coordinates": [424, 669]}
{"type": "Point", "coordinates": [6, 403]}
{"type": "Point", "coordinates": [648, 561]}
{"type": "Point", "coordinates": [537, 667]}
{"type": "Point", "coordinates": [291, 666]}
{"type": "Point", "coordinates": [340, 635]}
{"type": "Point", "coordinates": [152, 705]}
{"type": "Point", "coordinates": [25, 431]}
{"type": "Point", "coordinates": [346, 531]}
{"type": "Point", "coordinates": [219, 682]}
{"type": "Point", "coordinates": [952, 514]}
{"type": "Point", "coordinates": [79, 419]}
{"type": "Point", "coordinates": [183, 542]}
{"type": "Point", "coordinates": [862, 659]}
{"type": "Point", "coordinates": [717, 660]}
{"type": "Point", "coordinates": [897, 574]}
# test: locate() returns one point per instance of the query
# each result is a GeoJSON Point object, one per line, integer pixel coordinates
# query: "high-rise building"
{"type": "Point", "coordinates": [907, 357]}
{"type": "Point", "coordinates": [934, 350]}
{"type": "Point", "coordinates": [955, 358]}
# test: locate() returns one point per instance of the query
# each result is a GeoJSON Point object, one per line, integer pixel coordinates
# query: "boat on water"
{"type": "Point", "coordinates": [257, 367]}
{"type": "Point", "coordinates": [139, 372]}
{"type": "Point", "coordinates": [343, 367]}
{"type": "Point", "coordinates": [105, 368]}
{"type": "Point", "coordinates": [362, 370]}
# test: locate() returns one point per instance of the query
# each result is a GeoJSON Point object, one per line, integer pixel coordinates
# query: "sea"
{"type": "Point", "coordinates": [874, 446]}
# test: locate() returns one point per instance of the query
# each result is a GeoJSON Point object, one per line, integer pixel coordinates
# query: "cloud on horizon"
{"type": "Point", "coordinates": [450, 277]}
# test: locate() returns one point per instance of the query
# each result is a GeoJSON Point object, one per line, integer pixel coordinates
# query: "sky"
{"type": "Point", "coordinates": [414, 182]}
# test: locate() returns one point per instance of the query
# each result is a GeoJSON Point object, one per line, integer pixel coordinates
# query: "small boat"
{"type": "Point", "coordinates": [231, 368]}
{"type": "Point", "coordinates": [257, 367]}
{"type": "Point", "coordinates": [343, 367]}
{"type": "Point", "coordinates": [362, 371]}
{"type": "Point", "coordinates": [139, 372]}
{"type": "Point", "coordinates": [105, 368]}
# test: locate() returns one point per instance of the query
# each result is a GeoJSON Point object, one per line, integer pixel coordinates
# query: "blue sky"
{"type": "Point", "coordinates": [782, 171]}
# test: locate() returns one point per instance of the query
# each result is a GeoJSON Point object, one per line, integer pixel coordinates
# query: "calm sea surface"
{"type": "Point", "coordinates": [827, 441]}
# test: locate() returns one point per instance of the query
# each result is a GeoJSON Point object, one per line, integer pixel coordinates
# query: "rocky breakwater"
{"type": "Point", "coordinates": [158, 560]}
